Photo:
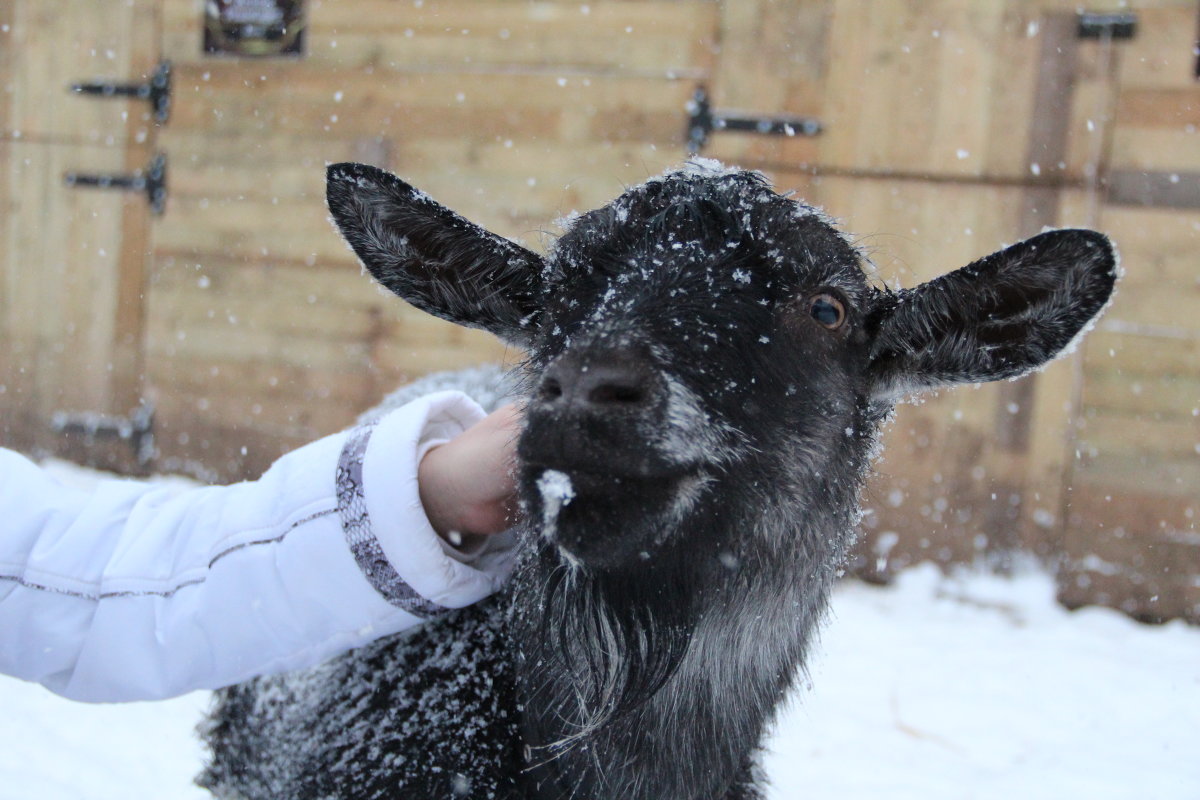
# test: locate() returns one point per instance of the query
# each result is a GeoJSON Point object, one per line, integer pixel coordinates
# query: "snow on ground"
{"type": "Point", "coordinates": [966, 688]}
{"type": "Point", "coordinates": [981, 687]}
{"type": "Point", "coordinates": [55, 749]}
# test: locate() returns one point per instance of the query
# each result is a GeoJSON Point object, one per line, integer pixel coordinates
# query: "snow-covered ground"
{"type": "Point", "coordinates": [933, 688]}
{"type": "Point", "coordinates": [981, 687]}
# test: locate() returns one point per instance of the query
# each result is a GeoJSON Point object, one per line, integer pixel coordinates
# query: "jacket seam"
{"type": "Point", "coordinates": [94, 596]}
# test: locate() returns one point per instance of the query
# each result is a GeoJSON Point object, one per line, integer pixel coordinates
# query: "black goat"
{"type": "Point", "coordinates": [708, 367]}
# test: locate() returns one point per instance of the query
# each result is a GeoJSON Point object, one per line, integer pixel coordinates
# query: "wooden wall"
{"type": "Point", "coordinates": [71, 262]}
{"type": "Point", "coordinates": [513, 113]}
{"type": "Point", "coordinates": [954, 128]}
{"type": "Point", "coordinates": [951, 128]}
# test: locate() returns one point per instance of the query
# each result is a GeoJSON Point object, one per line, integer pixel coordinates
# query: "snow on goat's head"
{"type": "Point", "coordinates": [702, 341]}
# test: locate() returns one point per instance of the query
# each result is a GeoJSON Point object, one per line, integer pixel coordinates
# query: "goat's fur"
{"type": "Point", "coordinates": [708, 367]}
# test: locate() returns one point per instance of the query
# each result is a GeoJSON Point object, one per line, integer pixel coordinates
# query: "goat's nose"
{"type": "Point", "coordinates": [620, 381]}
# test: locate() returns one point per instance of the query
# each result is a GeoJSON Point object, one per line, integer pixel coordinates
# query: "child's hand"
{"type": "Point", "coordinates": [467, 485]}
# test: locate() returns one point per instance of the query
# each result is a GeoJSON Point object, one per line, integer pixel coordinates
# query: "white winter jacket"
{"type": "Point", "coordinates": [134, 591]}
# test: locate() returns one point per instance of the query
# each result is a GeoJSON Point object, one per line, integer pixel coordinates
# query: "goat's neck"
{"type": "Point", "coordinates": [709, 659]}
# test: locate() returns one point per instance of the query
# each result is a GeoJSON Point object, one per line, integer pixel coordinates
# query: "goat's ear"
{"type": "Point", "coordinates": [1000, 317]}
{"type": "Point", "coordinates": [432, 257]}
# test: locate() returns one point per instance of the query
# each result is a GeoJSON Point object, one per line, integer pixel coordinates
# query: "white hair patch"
{"type": "Point", "coordinates": [557, 491]}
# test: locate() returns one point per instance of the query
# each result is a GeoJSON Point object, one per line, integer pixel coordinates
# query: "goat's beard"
{"type": "Point", "coordinates": [596, 647]}
{"type": "Point", "coordinates": [606, 522]}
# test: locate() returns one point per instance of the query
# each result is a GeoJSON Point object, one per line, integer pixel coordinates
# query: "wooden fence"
{"type": "Point", "coordinates": [949, 128]}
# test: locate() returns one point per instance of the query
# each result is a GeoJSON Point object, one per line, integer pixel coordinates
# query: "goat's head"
{"type": "Point", "coordinates": [702, 325]}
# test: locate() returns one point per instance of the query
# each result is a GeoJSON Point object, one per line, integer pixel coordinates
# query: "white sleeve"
{"type": "Point", "coordinates": [134, 591]}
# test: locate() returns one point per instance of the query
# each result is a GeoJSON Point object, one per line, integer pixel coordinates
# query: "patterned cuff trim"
{"type": "Point", "coordinates": [360, 534]}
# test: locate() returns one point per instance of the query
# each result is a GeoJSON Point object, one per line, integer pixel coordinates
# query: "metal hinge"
{"type": "Point", "coordinates": [152, 180]}
{"type": "Point", "coordinates": [156, 90]}
{"type": "Point", "coordinates": [704, 120]}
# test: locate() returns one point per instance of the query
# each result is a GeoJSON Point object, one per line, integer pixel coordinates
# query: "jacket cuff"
{"type": "Point", "coordinates": [385, 524]}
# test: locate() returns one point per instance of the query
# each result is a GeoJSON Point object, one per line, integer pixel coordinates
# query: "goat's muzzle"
{"type": "Point", "coordinates": [595, 411]}
{"type": "Point", "coordinates": [620, 381]}
{"type": "Point", "coordinates": [592, 473]}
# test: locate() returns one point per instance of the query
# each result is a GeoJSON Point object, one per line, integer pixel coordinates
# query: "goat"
{"type": "Point", "coordinates": [708, 367]}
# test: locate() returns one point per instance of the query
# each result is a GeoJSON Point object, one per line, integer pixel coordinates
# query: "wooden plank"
{"type": "Point", "coordinates": [480, 107]}
{"type": "Point", "coordinates": [1171, 150]}
{"type": "Point", "coordinates": [252, 231]}
{"type": "Point", "coordinates": [316, 318]}
{"type": "Point", "coordinates": [264, 393]}
{"type": "Point", "coordinates": [942, 75]}
{"type": "Point", "coordinates": [269, 358]}
{"type": "Point", "coordinates": [880, 53]}
{"type": "Point", "coordinates": [1156, 112]}
{"type": "Point", "coordinates": [317, 331]}
{"type": "Point", "coordinates": [952, 81]}
{"type": "Point", "coordinates": [61, 299]}
{"type": "Point", "coordinates": [1013, 425]}
{"type": "Point", "coordinates": [1140, 356]}
{"type": "Point", "coordinates": [1163, 397]}
{"type": "Point", "coordinates": [915, 231]}
{"type": "Point", "coordinates": [937, 486]}
{"type": "Point", "coordinates": [328, 349]}
{"type": "Point", "coordinates": [1157, 249]}
{"type": "Point", "coordinates": [1159, 108]}
{"type": "Point", "coordinates": [1165, 189]}
{"type": "Point", "coordinates": [1015, 50]}
{"type": "Point", "coordinates": [65, 41]}
{"type": "Point", "coordinates": [1114, 434]}
{"type": "Point", "coordinates": [1145, 304]}
{"type": "Point", "coordinates": [926, 229]}
{"type": "Point", "coordinates": [656, 37]}
{"type": "Point", "coordinates": [128, 357]}
{"type": "Point", "coordinates": [223, 212]}
{"type": "Point", "coordinates": [1161, 55]}
{"type": "Point", "coordinates": [16, 389]}
{"type": "Point", "coordinates": [1048, 133]}
{"type": "Point", "coordinates": [63, 310]}
{"type": "Point", "coordinates": [281, 290]}
{"type": "Point", "coordinates": [772, 61]}
{"type": "Point", "coordinates": [8, 67]}
{"type": "Point", "coordinates": [210, 450]}
{"type": "Point", "coordinates": [1146, 475]}
{"type": "Point", "coordinates": [479, 175]}
{"type": "Point", "coordinates": [72, 258]}
{"type": "Point", "coordinates": [964, 82]}
{"type": "Point", "coordinates": [1137, 551]}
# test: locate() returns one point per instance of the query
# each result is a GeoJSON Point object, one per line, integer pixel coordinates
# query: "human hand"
{"type": "Point", "coordinates": [467, 485]}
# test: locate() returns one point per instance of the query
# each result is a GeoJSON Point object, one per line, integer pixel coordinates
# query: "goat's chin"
{"type": "Point", "coordinates": [606, 522]}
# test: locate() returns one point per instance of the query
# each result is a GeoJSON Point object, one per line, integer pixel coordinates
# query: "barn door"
{"type": "Point", "coordinates": [947, 130]}
{"type": "Point", "coordinates": [72, 259]}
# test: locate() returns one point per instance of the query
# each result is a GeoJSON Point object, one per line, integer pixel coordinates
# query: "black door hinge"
{"type": "Point", "coordinates": [152, 180]}
{"type": "Point", "coordinates": [156, 90]}
{"type": "Point", "coordinates": [704, 120]}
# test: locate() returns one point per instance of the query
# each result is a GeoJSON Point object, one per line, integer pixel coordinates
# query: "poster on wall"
{"type": "Point", "coordinates": [254, 27]}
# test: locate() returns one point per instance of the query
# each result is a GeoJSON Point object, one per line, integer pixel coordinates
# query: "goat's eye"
{"type": "Point", "coordinates": [827, 310]}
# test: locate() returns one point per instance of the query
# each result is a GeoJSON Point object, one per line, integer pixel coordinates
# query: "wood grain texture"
{"type": "Point", "coordinates": [952, 128]}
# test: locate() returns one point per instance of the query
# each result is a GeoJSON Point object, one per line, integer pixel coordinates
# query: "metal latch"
{"type": "Point", "coordinates": [704, 120]}
{"type": "Point", "coordinates": [157, 90]}
{"type": "Point", "coordinates": [152, 180]}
